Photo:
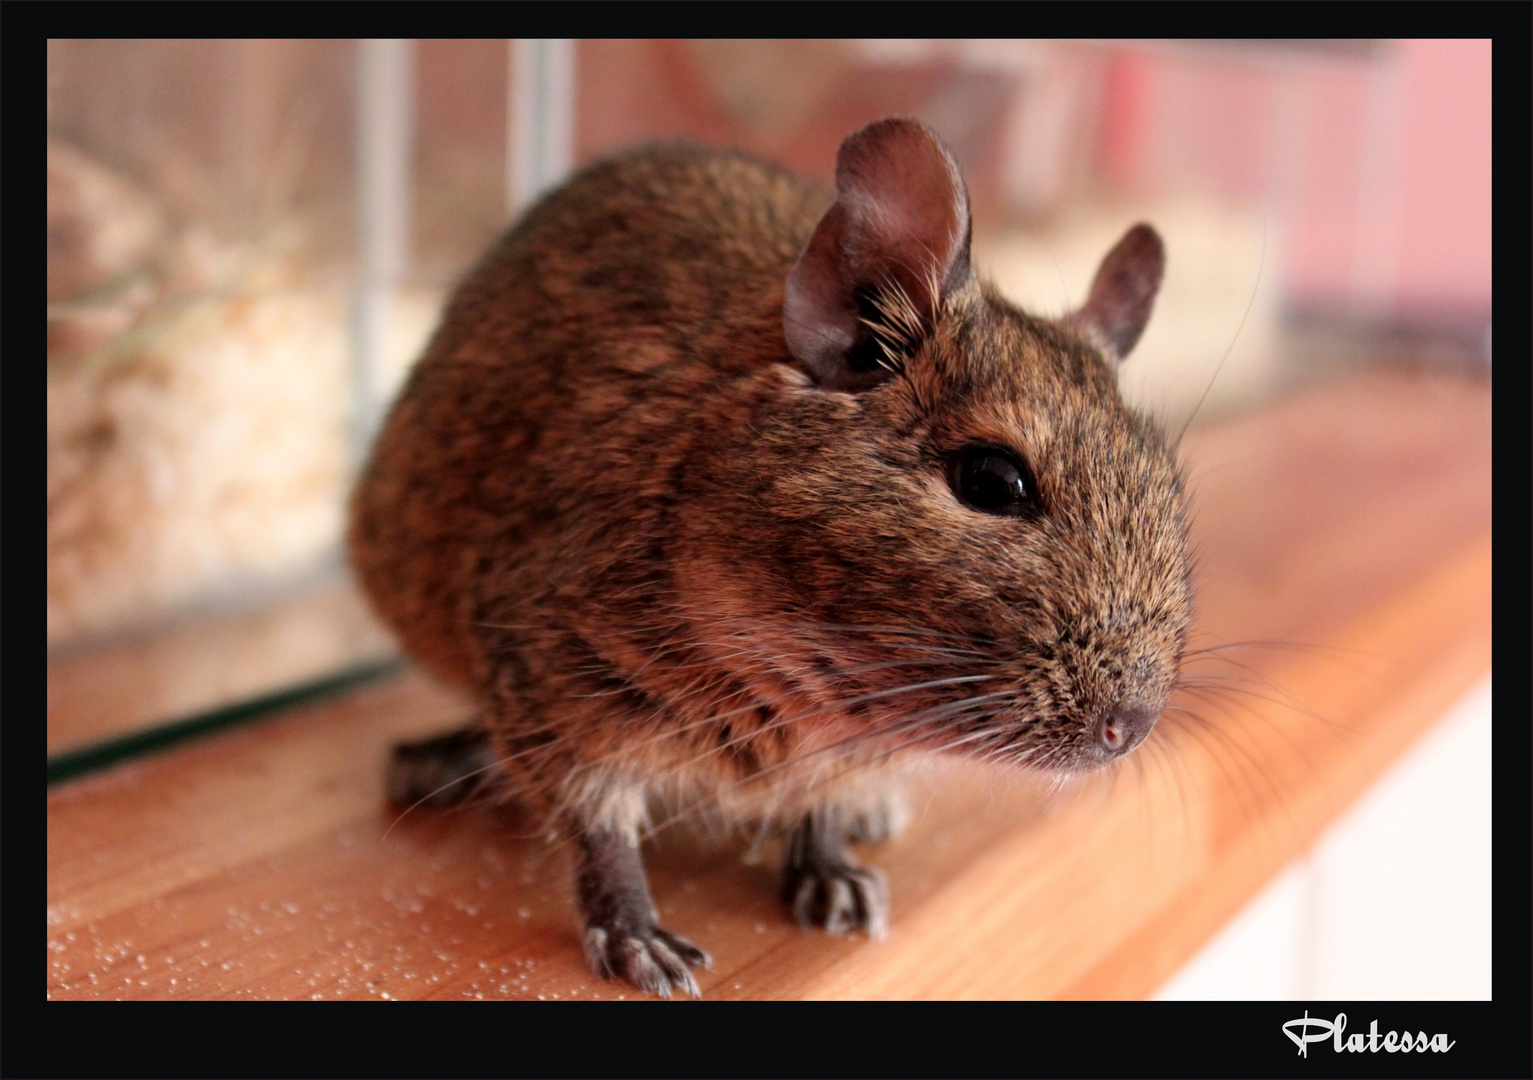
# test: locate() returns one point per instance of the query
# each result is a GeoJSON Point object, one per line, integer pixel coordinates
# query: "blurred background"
{"type": "Point", "coordinates": [249, 242]}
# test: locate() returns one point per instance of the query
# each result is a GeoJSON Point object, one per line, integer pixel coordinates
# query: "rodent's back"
{"type": "Point", "coordinates": [586, 336]}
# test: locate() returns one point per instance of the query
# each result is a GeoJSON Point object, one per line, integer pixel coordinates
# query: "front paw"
{"type": "Point", "coordinates": [839, 897]}
{"type": "Point", "coordinates": [654, 960]}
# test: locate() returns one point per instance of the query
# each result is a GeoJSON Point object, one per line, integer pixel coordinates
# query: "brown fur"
{"type": "Point", "coordinates": [610, 505]}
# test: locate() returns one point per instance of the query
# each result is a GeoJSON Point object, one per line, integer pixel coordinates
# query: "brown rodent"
{"type": "Point", "coordinates": [720, 491]}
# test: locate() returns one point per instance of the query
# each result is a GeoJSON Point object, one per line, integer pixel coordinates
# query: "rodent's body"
{"type": "Point", "coordinates": [649, 500]}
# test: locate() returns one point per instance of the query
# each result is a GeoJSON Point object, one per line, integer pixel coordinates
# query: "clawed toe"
{"type": "Point", "coordinates": [655, 960]}
{"type": "Point", "coordinates": [839, 898]}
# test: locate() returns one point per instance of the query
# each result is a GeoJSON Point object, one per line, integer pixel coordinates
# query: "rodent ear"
{"type": "Point", "coordinates": [866, 288]}
{"type": "Point", "coordinates": [1123, 292]}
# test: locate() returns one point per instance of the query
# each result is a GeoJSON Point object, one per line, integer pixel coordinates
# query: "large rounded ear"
{"type": "Point", "coordinates": [1122, 293]}
{"type": "Point", "coordinates": [867, 285]}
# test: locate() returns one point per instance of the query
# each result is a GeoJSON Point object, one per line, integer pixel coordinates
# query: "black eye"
{"type": "Point", "coordinates": [993, 480]}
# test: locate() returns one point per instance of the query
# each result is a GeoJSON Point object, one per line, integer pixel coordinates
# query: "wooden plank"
{"type": "Point", "coordinates": [262, 863]}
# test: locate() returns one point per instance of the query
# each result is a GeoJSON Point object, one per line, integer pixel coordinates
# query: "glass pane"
{"type": "Point", "coordinates": [200, 259]}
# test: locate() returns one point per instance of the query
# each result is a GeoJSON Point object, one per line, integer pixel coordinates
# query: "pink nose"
{"type": "Point", "coordinates": [1123, 727]}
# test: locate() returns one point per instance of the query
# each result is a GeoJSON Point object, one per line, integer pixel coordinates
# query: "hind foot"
{"type": "Point", "coordinates": [443, 771]}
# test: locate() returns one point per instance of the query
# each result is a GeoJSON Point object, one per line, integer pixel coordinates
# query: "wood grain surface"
{"type": "Point", "coordinates": [1344, 550]}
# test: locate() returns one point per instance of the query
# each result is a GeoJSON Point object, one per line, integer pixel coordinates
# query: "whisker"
{"type": "Point", "coordinates": [1255, 767]}
{"type": "Point", "coordinates": [797, 760]}
{"type": "Point", "coordinates": [1201, 689]}
{"type": "Point", "coordinates": [1255, 287]}
{"type": "Point", "coordinates": [791, 719]}
{"type": "Point", "coordinates": [922, 717]}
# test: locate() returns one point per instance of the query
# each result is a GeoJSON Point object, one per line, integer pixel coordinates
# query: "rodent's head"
{"type": "Point", "coordinates": [947, 530]}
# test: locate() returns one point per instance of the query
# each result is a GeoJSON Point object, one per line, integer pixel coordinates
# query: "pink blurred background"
{"type": "Point", "coordinates": [1383, 175]}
